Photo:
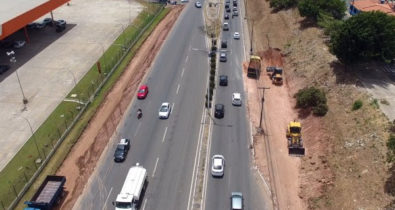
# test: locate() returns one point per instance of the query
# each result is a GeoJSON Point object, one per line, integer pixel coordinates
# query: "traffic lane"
{"type": "Point", "coordinates": [116, 180]}
{"type": "Point", "coordinates": [175, 172]}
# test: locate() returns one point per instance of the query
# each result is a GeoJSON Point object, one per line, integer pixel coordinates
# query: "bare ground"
{"type": "Point", "coordinates": [344, 166]}
{"type": "Point", "coordinates": [82, 160]}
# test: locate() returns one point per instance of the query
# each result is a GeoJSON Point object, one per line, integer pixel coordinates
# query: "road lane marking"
{"type": "Point", "coordinates": [178, 88]}
{"type": "Point", "coordinates": [186, 59]}
{"type": "Point", "coordinates": [206, 165]}
{"type": "Point", "coordinates": [137, 129]}
{"type": "Point", "coordinates": [182, 73]}
{"type": "Point", "coordinates": [164, 135]}
{"type": "Point", "coordinates": [145, 203]}
{"type": "Point", "coordinates": [172, 108]}
{"type": "Point", "coordinates": [156, 165]}
{"type": "Point", "coordinates": [108, 196]}
{"type": "Point", "coordinates": [196, 161]}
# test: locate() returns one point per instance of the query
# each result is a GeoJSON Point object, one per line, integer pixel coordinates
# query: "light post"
{"type": "Point", "coordinates": [13, 61]}
{"type": "Point", "coordinates": [34, 137]}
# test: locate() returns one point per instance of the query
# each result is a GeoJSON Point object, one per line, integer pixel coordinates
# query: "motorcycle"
{"type": "Point", "coordinates": [139, 114]}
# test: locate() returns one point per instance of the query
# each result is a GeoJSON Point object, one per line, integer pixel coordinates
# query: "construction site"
{"type": "Point", "coordinates": [341, 161]}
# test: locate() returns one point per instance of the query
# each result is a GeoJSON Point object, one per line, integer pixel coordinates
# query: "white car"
{"type": "Point", "coordinates": [164, 110]}
{"type": "Point", "coordinates": [217, 165]}
{"type": "Point", "coordinates": [184, 1]}
{"type": "Point", "coordinates": [198, 4]}
{"type": "Point", "coordinates": [236, 99]}
{"type": "Point", "coordinates": [236, 35]}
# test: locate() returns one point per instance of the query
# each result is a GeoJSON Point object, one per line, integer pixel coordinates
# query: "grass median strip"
{"type": "Point", "coordinates": [20, 169]}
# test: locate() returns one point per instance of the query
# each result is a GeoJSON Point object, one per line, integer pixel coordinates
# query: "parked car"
{"type": "Point", "coordinates": [227, 5]}
{"type": "Point", "coordinates": [223, 80]}
{"type": "Point", "coordinates": [219, 111]}
{"type": "Point", "coordinates": [47, 22]}
{"type": "Point", "coordinates": [19, 44]}
{"type": "Point", "coordinates": [198, 4]}
{"type": "Point", "coordinates": [40, 26]}
{"type": "Point", "coordinates": [236, 200]}
{"type": "Point", "coordinates": [222, 57]}
{"type": "Point", "coordinates": [217, 166]}
{"type": "Point", "coordinates": [4, 69]}
{"type": "Point", "coordinates": [164, 111]}
{"type": "Point", "coordinates": [122, 150]}
{"type": "Point", "coordinates": [142, 92]}
{"type": "Point", "coordinates": [60, 25]}
{"type": "Point", "coordinates": [236, 99]}
{"type": "Point", "coordinates": [235, 3]}
{"type": "Point", "coordinates": [236, 35]}
{"type": "Point", "coordinates": [234, 9]}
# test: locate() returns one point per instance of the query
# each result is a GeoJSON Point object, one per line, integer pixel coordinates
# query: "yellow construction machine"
{"type": "Point", "coordinates": [277, 76]}
{"type": "Point", "coordinates": [294, 137]}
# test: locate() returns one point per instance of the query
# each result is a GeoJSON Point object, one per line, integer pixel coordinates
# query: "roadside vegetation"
{"type": "Point", "coordinates": [312, 98]}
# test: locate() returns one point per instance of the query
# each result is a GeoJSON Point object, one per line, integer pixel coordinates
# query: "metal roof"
{"type": "Point", "coordinates": [10, 9]}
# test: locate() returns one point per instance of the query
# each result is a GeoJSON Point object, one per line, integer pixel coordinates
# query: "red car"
{"type": "Point", "coordinates": [143, 92]}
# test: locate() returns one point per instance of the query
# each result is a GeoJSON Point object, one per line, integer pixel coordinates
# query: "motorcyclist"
{"type": "Point", "coordinates": [139, 113]}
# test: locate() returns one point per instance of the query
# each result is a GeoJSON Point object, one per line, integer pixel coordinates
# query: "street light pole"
{"type": "Point", "coordinates": [34, 137]}
{"type": "Point", "coordinates": [13, 61]}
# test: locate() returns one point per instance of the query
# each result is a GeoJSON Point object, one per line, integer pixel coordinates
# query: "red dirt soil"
{"type": "Point", "coordinates": [81, 161]}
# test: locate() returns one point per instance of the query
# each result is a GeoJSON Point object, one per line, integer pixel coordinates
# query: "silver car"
{"type": "Point", "coordinates": [217, 165]}
{"type": "Point", "coordinates": [236, 200]}
{"type": "Point", "coordinates": [164, 110]}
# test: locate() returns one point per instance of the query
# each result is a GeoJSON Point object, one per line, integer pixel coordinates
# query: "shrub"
{"type": "Point", "coordinates": [320, 109]}
{"type": "Point", "coordinates": [280, 4]}
{"type": "Point", "coordinates": [212, 71]}
{"type": "Point", "coordinates": [212, 78]}
{"type": "Point", "coordinates": [212, 59]}
{"type": "Point", "coordinates": [391, 148]}
{"type": "Point", "coordinates": [310, 97]}
{"type": "Point", "coordinates": [357, 105]}
{"type": "Point", "coordinates": [213, 65]}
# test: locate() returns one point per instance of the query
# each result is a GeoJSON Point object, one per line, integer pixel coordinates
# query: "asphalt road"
{"type": "Point", "coordinates": [231, 135]}
{"type": "Point", "coordinates": [166, 148]}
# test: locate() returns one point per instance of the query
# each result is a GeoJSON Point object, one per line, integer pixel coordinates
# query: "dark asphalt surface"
{"type": "Point", "coordinates": [231, 134]}
{"type": "Point", "coordinates": [167, 148]}
{"type": "Point", "coordinates": [178, 76]}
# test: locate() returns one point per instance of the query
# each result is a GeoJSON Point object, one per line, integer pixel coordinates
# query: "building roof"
{"type": "Point", "coordinates": [374, 5]}
{"type": "Point", "coordinates": [16, 14]}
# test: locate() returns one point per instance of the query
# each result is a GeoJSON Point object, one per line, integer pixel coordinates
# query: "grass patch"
{"type": "Point", "coordinates": [357, 105]}
{"type": "Point", "coordinates": [22, 166]}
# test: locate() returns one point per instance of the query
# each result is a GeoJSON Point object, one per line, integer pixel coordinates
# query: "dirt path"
{"type": "Point", "coordinates": [81, 161]}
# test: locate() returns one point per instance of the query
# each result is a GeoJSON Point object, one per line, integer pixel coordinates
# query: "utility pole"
{"type": "Point", "coordinates": [262, 101]}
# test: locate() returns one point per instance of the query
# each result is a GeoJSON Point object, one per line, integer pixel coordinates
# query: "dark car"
{"type": "Point", "coordinates": [219, 110]}
{"type": "Point", "coordinates": [223, 80]}
{"type": "Point", "coordinates": [60, 25]}
{"type": "Point", "coordinates": [122, 150]}
{"type": "Point", "coordinates": [4, 68]}
{"type": "Point", "coordinates": [48, 22]}
{"type": "Point", "coordinates": [224, 44]}
{"type": "Point", "coordinates": [227, 5]}
{"type": "Point", "coordinates": [226, 16]}
{"type": "Point", "coordinates": [222, 57]}
{"type": "Point", "coordinates": [235, 3]}
{"type": "Point", "coordinates": [227, 9]}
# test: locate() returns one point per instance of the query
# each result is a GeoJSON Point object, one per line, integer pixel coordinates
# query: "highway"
{"type": "Point", "coordinates": [167, 148]}
{"type": "Point", "coordinates": [231, 135]}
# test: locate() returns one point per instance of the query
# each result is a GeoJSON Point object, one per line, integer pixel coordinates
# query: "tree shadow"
{"type": "Point", "coordinates": [303, 113]}
{"type": "Point", "coordinates": [307, 23]}
{"type": "Point", "coordinates": [389, 187]}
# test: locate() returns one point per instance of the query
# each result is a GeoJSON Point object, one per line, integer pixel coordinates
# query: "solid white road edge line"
{"type": "Point", "coordinates": [156, 165]}
{"type": "Point", "coordinates": [197, 155]}
{"type": "Point", "coordinates": [137, 129]}
{"type": "Point", "coordinates": [164, 135]}
{"type": "Point", "coordinates": [108, 196]}
{"type": "Point", "coordinates": [205, 178]}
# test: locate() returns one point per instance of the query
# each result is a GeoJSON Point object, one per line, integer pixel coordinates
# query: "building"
{"type": "Point", "coordinates": [385, 6]}
{"type": "Point", "coordinates": [16, 14]}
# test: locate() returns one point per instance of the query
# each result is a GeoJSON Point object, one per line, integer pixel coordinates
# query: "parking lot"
{"type": "Point", "coordinates": [51, 63]}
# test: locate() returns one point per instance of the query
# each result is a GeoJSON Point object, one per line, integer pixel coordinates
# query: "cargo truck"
{"type": "Point", "coordinates": [254, 67]}
{"type": "Point", "coordinates": [133, 189]}
{"type": "Point", "coordinates": [48, 194]}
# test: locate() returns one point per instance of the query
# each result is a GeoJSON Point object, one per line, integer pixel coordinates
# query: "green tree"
{"type": "Point", "coordinates": [280, 4]}
{"type": "Point", "coordinates": [313, 8]}
{"type": "Point", "coordinates": [309, 8]}
{"type": "Point", "coordinates": [391, 148]}
{"type": "Point", "coordinates": [368, 35]}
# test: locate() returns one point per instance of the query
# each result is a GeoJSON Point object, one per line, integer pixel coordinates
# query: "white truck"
{"type": "Point", "coordinates": [132, 190]}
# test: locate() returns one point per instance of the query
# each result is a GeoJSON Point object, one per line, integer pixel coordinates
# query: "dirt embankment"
{"type": "Point", "coordinates": [344, 166]}
{"type": "Point", "coordinates": [82, 160]}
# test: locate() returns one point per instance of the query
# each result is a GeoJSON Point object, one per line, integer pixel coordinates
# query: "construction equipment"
{"type": "Point", "coordinates": [48, 194]}
{"type": "Point", "coordinates": [294, 137]}
{"type": "Point", "coordinates": [254, 67]}
{"type": "Point", "coordinates": [277, 76]}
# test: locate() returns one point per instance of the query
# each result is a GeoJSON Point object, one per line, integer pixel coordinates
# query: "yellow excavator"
{"type": "Point", "coordinates": [277, 76]}
{"type": "Point", "coordinates": [294, 137]}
